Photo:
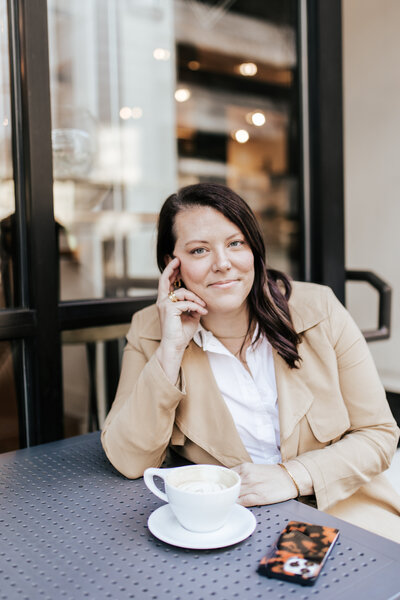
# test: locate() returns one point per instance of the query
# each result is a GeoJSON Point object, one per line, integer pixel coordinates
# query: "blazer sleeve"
{"type": "Point", "coordinates": [138, 428]}
{"type": "Point", "coordinates": [367, 447]}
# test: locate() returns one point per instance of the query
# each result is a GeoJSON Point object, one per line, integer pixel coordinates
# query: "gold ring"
{"type": "Point", "coordinates": [172, 297]}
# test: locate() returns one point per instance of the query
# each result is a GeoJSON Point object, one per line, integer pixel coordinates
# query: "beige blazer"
{"type": "Point", "coordinates": [334, 417]}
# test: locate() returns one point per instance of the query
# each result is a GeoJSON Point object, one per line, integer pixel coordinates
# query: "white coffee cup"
{"type": "Point", "coordinates": [200, 496]}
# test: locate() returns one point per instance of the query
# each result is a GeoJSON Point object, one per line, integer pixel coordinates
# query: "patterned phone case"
{"type": "Point", "coordinates": [299, 553]}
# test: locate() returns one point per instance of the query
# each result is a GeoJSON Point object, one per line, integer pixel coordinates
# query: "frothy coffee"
{"type": "Point", "coordinates": [201, 486]}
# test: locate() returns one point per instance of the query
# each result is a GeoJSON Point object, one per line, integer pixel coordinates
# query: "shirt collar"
{"type": "Point", "coordinates": [209, 343]}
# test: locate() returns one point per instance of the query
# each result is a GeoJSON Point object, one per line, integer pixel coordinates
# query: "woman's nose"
{"type": "Point", "coordinates": [222, 263]}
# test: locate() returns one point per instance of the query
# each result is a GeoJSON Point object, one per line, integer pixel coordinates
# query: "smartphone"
{"type": "Point", "coordinates": [299, 553]}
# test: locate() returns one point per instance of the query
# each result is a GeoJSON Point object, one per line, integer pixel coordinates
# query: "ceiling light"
{"type": "Point", "coordinates": [194, 65]}
{"type": "Point", "coordinates": [241, 136]}
{"type": "Point", "coordinates": [248, 69]}
{"type": "Point", "coordinates": [182, 94]}
{"type": "Point", "coordinates": [161, 54]}
{"type": "Point", "coordinates": [125, 112]}
{"type": "Point", "coordinates": [257, 118]}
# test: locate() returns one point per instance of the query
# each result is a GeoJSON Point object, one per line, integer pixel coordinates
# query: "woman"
{"type": "Point", "coordinates": [236, 365]}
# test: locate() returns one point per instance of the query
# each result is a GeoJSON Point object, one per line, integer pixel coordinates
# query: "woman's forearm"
{"type": "Point", "coordinates": [170, 361]}
{"type": "Point", "coordinates": [139, 425]}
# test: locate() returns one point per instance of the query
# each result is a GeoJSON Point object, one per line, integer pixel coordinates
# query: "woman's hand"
{"type": "Point", "coordinates": [179, 320]}
{"type": "Point", "coordinates": [264, 484]}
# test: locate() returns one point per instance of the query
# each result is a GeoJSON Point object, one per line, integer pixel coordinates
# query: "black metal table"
{"type": "Point", "coordinates": [72, 527]}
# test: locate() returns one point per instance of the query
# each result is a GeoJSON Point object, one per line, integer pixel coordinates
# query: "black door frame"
{"type": "Point", "coordinates": [40, 316]}
{"type": "Point", "coordinates": [325, 121]}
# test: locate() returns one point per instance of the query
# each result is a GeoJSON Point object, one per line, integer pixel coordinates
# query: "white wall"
{"type": "Point", "coordinates": [371, 58]}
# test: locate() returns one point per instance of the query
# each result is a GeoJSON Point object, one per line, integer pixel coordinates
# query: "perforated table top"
{"type": "Point", "coordinates": [72, 527]}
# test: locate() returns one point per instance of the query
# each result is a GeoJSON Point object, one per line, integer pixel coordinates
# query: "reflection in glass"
{"type": "Point", "coordinates": [7, 203]}
{"type": "Point", "coordinates": [239, 123]}
{"type": "Point", "coordinates": [88, 394]}
{"type": "Point", "coordinates": [114, 149]}
{"type": "Point", "coordinates": [76, 392]}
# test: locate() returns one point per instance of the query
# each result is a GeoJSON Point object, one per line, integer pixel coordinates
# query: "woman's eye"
{"type": "Point", "coordinates": [198, 251]}
{"type": "Point", "coordinates": [236, 243]}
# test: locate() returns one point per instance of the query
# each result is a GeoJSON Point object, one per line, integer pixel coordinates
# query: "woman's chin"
{"type": "Point", "coordinates": [225, 307]}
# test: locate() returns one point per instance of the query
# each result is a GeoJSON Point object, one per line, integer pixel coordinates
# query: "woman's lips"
{"type": "Point", "coordinates": [223, 284]}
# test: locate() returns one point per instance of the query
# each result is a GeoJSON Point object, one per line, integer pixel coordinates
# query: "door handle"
{"type": "Point", "coordinates": [385, 303]}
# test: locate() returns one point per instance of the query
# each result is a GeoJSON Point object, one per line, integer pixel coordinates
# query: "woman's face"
{"type": "Point", "coordinates": [217, 263]}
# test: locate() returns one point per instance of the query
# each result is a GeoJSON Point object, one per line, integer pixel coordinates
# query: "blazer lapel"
{"type": "Point", "coordinates": [294, 395]}
{"type": "Point", "coordinates": [294, 400]}
{"type": "Point", "coordinates": [205, 419]}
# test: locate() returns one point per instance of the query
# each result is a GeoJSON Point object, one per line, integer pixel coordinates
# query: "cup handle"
{"type": "Point", "coordinates": [149, 475]}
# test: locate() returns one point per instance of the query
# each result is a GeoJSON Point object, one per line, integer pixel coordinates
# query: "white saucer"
{"type": "Point", "coordinates": [163, 524]}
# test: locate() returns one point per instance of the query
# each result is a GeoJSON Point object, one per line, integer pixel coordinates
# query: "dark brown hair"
{"type": "Point", "coordinates": [268, 303]}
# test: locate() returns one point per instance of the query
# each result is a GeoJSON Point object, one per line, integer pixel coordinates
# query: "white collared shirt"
{"type": "Point", "coordinates": [251, 399]}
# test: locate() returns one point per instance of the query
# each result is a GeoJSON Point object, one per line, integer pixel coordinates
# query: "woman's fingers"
{"type": "Point", "coordinates": [167, 279]}
{"type": "Point", "coordinates": [243, 469]}
{"type": "Point", "coordinates": [179, 309]}
{"type": "Point", "coordinates": [263, 484]}
{"type": "Point", "coordinates": [188, 306]}
{"type": "Point", "coordinates": [184, 294]}
{"type": "Point", "coordinates": [168, 276]}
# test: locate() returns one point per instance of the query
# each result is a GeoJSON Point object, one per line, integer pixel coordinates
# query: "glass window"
{"type": "Point", "coordinates": [7, 202]}
{"type": "Point", "coordinates": [114, 150]}
{"type": "Point", "coordinates": [149, 95]}
{"type": "Point", "coordinates": [236, 110]}
{"type": "Point", "coordinates": [91, 361]}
